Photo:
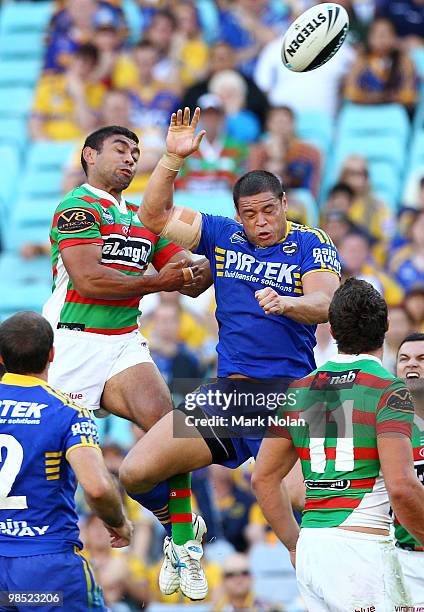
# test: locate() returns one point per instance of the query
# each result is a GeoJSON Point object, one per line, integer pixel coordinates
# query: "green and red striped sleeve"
{"type": "Point", "coordinates": [164, 251]}
{"type": "Point", "coordinates": [395, 410]}
{"type": "Point", "coordinates": [77, 221]}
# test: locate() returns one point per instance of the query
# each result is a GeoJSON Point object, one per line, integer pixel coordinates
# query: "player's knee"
{"type": "Point", "coordinates": [135, 477]}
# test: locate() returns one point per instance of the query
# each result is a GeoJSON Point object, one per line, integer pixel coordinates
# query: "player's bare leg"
{"type": "Point", "coordinates": [161, 455]}
{"type": "Point", "coordinates": [138, 394]}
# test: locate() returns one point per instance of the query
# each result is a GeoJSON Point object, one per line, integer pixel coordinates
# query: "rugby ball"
{"type": "Point", "coordinates": [314, 37]}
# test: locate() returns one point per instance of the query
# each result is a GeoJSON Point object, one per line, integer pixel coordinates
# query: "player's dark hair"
{"type": "Point", "coordinates": [26, 339]}
{"type": "Point", "coordinates": [257, 181]}
{"type": "Point", "coordinates": [97, 138]}
{"type": "Point", "coordinates": [358, 317]}
{"type": "Point", "coordinates": [414, 337]}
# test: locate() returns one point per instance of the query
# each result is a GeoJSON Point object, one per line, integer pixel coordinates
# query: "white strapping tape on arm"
{"type": "Point", "coordinates": [184, 226]}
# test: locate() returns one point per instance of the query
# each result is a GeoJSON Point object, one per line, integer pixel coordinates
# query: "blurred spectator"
{"type": "Point", "coordinates": [414, 189]}
{"type": "Point", "coordinates": [281, 152]}
{"type": "Point", "coordinates": [382, 74]}
{"type": "Point", "coordinates": [241, 123]}
{"type": "Point", "coordinates": [189, 47]}
{"type": "Point", "coordinates": [356, 260]}
{"type": "Point", "coordinates": [337, 225]}
{"type": "Point", "coordinates": [248, 25]}
{"type": "Point", "coordinates": [366, 211]}
{"type": "Point", "coordinates": [400, 325]}
{"type": "Point", "coordinates": [160, 33]}
{"type": "Point", "coordinates": [66, 105]}
{"type": "Point", "coordinates": [152, 100]}
{"type": "Point", "coordinates": [69, 28]}
{"type": "Point", "coordinates": [238, 589]}
{"type": "Point", "coordinates": [360, 15]}
{"type": "Point", "coordinates": [219, 161]}
{"type": "Point", "coordinates": [193, 330]}
{"type": "Point", "coordinates": [223, 57]}
{"type": "Point", "coordinates": [326, 346]}
{"type": "Point", "coordinates": [315, 91]}
{"type": "Point", "coordinates": [179, 367]}
{"type": "Point", "coordinates": [116, 110]}
{"type": "Point", "coordinates": [232, 504]}
{"type": "Point", "coordinates": [108, 40]}
{"type": "Point", "coordinates": [112, 569]}
{"type": "Point", "coordinates": [414, 305]}
{"type": "Point", "coordinates": [407, 264]}
{"type": "Point", "coordinates": [407, 17]}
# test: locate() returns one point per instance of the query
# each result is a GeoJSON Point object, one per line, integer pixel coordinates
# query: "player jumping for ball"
{"type": "Point", "coordinates": [264, 332]}
{"type": "Point", "coordinates": [355, 449]}
{"type": "Point", "coordinates": [100, 252]}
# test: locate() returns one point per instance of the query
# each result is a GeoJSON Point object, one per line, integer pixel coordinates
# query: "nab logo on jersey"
{"type": "Point", "coordinates": [331, 380]}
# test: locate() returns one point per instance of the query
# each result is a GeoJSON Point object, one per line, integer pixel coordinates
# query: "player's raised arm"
{"type": "Point", "coordinates": [157, 212]}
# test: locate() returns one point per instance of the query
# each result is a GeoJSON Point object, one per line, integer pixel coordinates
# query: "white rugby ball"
{"type": "Point", "coordinates": [314, 37]}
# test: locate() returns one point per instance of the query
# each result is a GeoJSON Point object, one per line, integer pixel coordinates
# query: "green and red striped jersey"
{"type": "Point", "coordinates": [403, 537]}
{"type": "Point", "coordinates": [339, 410]}
{"type": "Point", "coordinates": [88, 215]}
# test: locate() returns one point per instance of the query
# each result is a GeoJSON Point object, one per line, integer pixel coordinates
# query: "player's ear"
{"type": "Point", "coordinates": [51, 354]}
{"type": "Point", "coordinates": [1, 360]}
{"type": "Point", "coordinates": [89, 155]}
{"type": "Point", "coordinates": [331, 332]}
{"type": "Point", "coordinates": [284, 202]}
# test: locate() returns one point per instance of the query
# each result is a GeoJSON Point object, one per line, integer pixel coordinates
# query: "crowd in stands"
{"type": "Point", "coordinates": [224, 56]}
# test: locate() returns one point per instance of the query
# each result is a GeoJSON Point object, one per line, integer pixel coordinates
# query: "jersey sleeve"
{"type": "Point", "coordinates": [319, 254]}
{"type": "Point", "coordinates": [77, 221]}
{"type": "Point", "coordinates": [164, 251]}
{"type": "Point", "coordinates": [212, 226]}
{"type": "Point", "coordinates": [395, 410]}
{"type": "Point", "coordinates": [81, 431]}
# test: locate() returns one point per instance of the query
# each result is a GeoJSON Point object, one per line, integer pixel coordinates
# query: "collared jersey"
{"type": "Point", "coordinates": [251, 342]}
{"type": "Point", "coordinates": [88, 215]}
{"type": "Point", "coordinates": [39, 428]}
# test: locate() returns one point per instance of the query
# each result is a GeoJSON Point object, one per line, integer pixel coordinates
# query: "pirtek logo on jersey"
{"type": "Point", "coordinates": [12, 408]}
{"type": "Point", "coordinates": [279, 272]}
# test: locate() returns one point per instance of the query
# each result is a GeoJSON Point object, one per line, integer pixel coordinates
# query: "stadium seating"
{"type": "Point", "coordinates": [316, 128]}
{"type": "Point", "coordinates": [17, 73]}
{"type": "Point", "coordinates": [24, 17]}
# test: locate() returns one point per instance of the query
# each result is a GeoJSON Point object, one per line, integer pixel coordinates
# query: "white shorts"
{"type": "Point", "coordinates": [84, 362]}
{"type": "Point", "coordinates": [412, 563]}
{"type": "Point", "coordinates": [346, 571]}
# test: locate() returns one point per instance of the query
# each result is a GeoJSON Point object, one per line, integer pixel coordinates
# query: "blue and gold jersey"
{"type": "Point", "coordinates": [39, 427]}
{"type": "Point", "coordinates": [251, 342]}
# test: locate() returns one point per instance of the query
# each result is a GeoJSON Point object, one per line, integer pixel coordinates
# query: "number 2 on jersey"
{"type": "Point", "coordinates": [9, 469]}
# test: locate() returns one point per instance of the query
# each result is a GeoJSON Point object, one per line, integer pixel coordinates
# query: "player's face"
{"type": "Point", "coordinates": [410, 365]}
{"type": "Point", "coordinates": [116, 164]}
{"type": "Point", "coordinates": [263, 217]}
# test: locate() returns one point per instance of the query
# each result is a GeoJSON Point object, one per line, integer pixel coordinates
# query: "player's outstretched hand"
{"type": "Point", "coordinates": [270, 301]}
{"type": "Point", "coordinates": [176, 275]}
{"type": "Point", "coordinates": [120, 536]}
{"type": "Point", "coordinates": [182, 139]}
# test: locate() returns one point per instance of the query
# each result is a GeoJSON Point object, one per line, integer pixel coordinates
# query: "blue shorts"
{"type": "Point", "coordinates": [232, 415]}
{"type": "Point", "coordinates": [67, 572]}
